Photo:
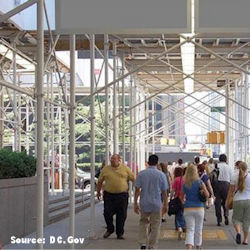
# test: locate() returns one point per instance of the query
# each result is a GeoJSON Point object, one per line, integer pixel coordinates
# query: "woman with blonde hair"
{"type": "Point", "coordinates": [240, 191]}
{"type": "Point", "coordinates": [193, 206]}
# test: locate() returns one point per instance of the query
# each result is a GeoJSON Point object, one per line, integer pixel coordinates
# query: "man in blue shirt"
{"type": "Point", "coordinates": [151, 185]}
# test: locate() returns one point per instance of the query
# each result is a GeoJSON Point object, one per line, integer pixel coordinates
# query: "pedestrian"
{"type": "Point", "coordinates": [151, 186]}
{"type": "Point", "coordinates": [240, 192]}
{"type": "Point", "coordinates": [211, 165]}
{"type": "Point", "coordinates": [180, 163]}
{"type": "Point", "coordinates": [222, 187]}
{"type": "Point", "coordinates": [193, 206]}
{"type": "Point", "coordinates": [164, 169]}
{"type": "Point", "coordinates": [176, 192]}
{"type": "Point", "coordinates": [115, 195]}
{"type": "Point", "coordinates": [197, 160]}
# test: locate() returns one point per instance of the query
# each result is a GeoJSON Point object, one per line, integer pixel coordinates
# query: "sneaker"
{"type": "Point", "coordinates": [238, 238]}
{"type": "Point", "coordinates": [107, 234]}
{"type": "Point", "coordinates": [143, 247]}
{"type": "Point", "coordinates": [226, 220]}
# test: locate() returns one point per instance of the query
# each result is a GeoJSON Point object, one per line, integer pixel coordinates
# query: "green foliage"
{"type": "Point", "coordinates": [16, 164]}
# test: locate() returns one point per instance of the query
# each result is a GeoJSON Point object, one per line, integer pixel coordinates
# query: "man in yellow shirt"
{"type": "Point", "coordinates": [115, 195]}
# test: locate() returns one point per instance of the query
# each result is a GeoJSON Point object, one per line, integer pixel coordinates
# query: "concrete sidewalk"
{"type": "Point", "coordinates": [213, 237]}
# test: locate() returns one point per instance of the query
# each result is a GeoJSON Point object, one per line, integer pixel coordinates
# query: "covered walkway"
{"type": "Point", "coordinates": [213, 237]}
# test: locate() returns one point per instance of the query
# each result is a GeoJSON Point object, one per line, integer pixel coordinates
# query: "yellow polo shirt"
{"type": "Point", "coordinates": [116, 179]}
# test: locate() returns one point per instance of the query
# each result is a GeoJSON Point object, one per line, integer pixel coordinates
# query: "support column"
{"type": "Point", "coordinates": [52, 136]}
{"type": "Point", "coordinates": [107, 137]}
{"type": "Point", "coordinates": [229, 149]}
{"type": "Point", "coordinates": [60, 145]}
{"type": "Point", "coordinates": [48, 133]}
{"type": "Point", "coordinates": [115, 102]}
{"type": "Point", "coordinates": [15, 145]}
{"type": "Point", "coordinates": [66, 114]}
{"type": "Point", "coordinates": [123, 112]}
{"type": "Point", "coordinates": [147, 127]}
{"type": "Point", "coordinates": [1, 117]}
{"type": "Point", "coordinates": [19, 122]}
{"type": "Point", "coordinates": [72, 142]}
{"type": "Point", "coordinates": [246, 117]}
{"type": "Point", "coordinates": [153, 126]}
{"type": "Point", "coordinates": [131, 135]}
{"type": "Point", "coordinates": [27, 146]}
{"type": "Point", "coordinates": [40, 121]}
{"type": "Point", "coordinates": [92, 136]}
{"type": "Point", "coordinates": [135, 127]}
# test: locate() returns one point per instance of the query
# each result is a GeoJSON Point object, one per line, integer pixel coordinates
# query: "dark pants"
{"type": "Point", "coordinates": [115, 204]}
{"type": "Point", "coordinates": [221, 191]}
{"type": "Point", "coordinates": [179, 220]}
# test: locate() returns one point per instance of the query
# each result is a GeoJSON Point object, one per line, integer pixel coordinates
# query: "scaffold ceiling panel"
{"type": "Point", "coordinates": [122, 17]}
{"type": "Point", "coordinates": [223, 16]}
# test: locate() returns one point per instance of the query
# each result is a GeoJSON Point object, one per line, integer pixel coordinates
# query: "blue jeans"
{"type": "Point", "coordinates": [179, 220]}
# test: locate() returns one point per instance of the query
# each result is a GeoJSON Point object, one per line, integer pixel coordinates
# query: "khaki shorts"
{"type": "Point", "coordinates": [241, 213]}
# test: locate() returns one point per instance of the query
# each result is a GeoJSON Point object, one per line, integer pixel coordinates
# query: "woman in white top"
{"type": "Point", "coordinates": [240, 189]}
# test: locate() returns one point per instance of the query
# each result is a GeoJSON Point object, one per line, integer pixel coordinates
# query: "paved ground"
{"type": "Point", "coordinates": [213, 237]}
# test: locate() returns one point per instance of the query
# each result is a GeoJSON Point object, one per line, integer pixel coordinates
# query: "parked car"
{"type": "Point", "coordinates": [84, 179]}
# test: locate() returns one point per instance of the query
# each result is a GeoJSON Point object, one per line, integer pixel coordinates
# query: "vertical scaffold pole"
{"type": "Point", "coordinates": [153, 126]}
{"type": "Point", "coordinates": [227, 120]}
{"type": "Point", "coordinates": [72, 142]}
{"type": "Point", "coordinates": [92, 136]}
{"type": "Point", "coordinates": [40, 121]}
{"type": "Point", "coordinates": [123, 112]}
{"type": "Point", "coordinates": [131, 135]}
{"type": "Point", "coordinates": [115, 102]}
{"type": "Point", "coordinates": [107, 137]}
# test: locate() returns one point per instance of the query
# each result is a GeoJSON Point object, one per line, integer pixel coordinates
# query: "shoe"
{"type": "Point", "coordinates": [244, 243]}
{"type": "Point", "coordinates": [163, 220]}
{"type": "Point", "coordinates": [107, 234]}
{"type": "Point", "coordinates": [143, 247]}
{"type": "Point", "coordinates": [226, 221]}
{"type": "Point", "coordinates": [120, 237]}
{"type": "Point", "coordinates": [218, 224]}
{"type": "Point", "coordinates": [238, 238]}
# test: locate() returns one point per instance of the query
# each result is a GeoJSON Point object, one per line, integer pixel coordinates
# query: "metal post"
{"type": "Point", "coordinates": [15, 146]}
{"type": "Point", "coordinates": [60, 145]}
{"type": "Point", "coordinates": [227, 120]}
{"type": "Point", "coordinates": [245, 117]}
{"type": "Point", "coordinates": [123, 112]}
{"type": "Point", "coordinates": [66, 114]}
{"type": "Point", "coordinates": [131, 135]}
{"type": "Point", "coordinates": [1, 117]}
{"type": "Point", "coordinates": [147, 126]}
{"type": "Point", "coordinates": [107, 137]}
{"type": "Point", "coordinates": [48, 134]}
{"type": "Point", "coordinates": [115, 103]}
{"type": "Point", "coordinates": [153, 125]}
{"type": "Point", "coordinates": [92, 136]}
{"type": "Point", "coordinates": [40, 121]}
{"type": "Point", "coordinates": [72, 142]}
{"type": "Point", "coordinates": [52, 136]}
{"type": "Point", "coordinates": [135, 127]}
{"type": "Point", "coordinates": [19, 122]}
{"type": "Point", "coordinates": [27, 146]}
